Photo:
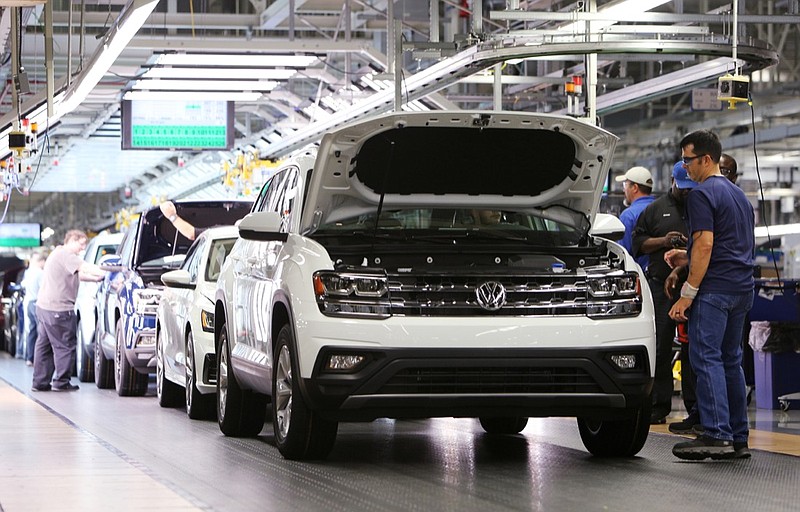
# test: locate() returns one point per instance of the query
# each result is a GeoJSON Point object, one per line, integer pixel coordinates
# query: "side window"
{"type": "Point", "coordinates": [192, 262]}
{"type": "Point", "coordinates": [258, 205]}
{"type": "Point", "coordinates": [216, 257]}
{"type": "Point", "coordinates": [271, 192]}
{"type": "Point", "coordinates": [288, 199]}
{"type": "Point", "coordinates": [104, 250]}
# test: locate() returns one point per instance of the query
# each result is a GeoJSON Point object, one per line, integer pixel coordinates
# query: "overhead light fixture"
{"type": "Point", "coordinates": [620, 9]}
{"type": "Point", "coordinates": [192, 95]}
{"type": "Point", "coordinates": [777, 230]}
{"type": "Point", "coordinates": [206, 73]}
{"type": "Point", "coordinates": [206, 85]}
{"type": "Point", "coordinates": [116, 39]}
{"type": "Point", "coordinates": [256, 60]}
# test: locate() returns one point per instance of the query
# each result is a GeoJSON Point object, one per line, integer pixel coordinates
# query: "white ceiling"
{"type": "Point", "coordinates": [649, 115]}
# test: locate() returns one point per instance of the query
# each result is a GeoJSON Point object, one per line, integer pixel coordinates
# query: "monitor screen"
{"type": "Point", "coordinates": [20, 234]}
{"type": "Point", "coordinates": [187, 125]}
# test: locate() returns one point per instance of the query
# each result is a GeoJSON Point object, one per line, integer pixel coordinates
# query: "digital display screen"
{"type": "Point", "coordinates": [189, 125]}
{"type": "Point", "coordinates": [20, 235]}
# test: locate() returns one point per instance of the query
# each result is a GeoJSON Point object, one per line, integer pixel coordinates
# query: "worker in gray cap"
{"type": "Point", "coordinates": [637, 184]}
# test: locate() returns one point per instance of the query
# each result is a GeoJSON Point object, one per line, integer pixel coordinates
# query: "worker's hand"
{"type": "Point", "coordinates": [671, 282]}
{"type": "Point", "coordinates": [168, 209]}
{"type": "Point", "coordinates": [676, 257]}
{"type": "Point", "coordinates": [675, 239]}
{"type": "Point", "coordinates": [680, 309]}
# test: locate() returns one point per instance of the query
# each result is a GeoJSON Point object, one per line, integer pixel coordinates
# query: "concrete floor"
{"type": "Point", "coordinates": [92, 450]}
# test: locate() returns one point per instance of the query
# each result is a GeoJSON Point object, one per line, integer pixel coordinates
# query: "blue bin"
{"type": "Point", "coordinates": [775, 301]}
{"type": "Point", "coordinates": [776, 374]}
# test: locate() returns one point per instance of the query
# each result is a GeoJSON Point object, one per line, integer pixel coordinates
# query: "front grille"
{"type": "Point", "coordinates": [491, 380]}
{"type": "Point", "coordinates": [437, 295]}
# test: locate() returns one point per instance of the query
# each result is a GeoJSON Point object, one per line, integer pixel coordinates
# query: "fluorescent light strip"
{"type": "Point", "coordinates": [622, 8]}
{"type": "Point", "coordinates": [235, 60]}
{"type": "Point", "coordinates": [198, 73]}
{"type": "Point", "coordinates": [192, 95]}
{"type": "Point", "coordinates": [777, 230]}
{"type": "Point", "coordinates": [117, 38]}
{"type": "Point", "coordinates": [205, 85]}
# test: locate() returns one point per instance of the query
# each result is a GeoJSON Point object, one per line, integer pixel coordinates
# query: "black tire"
{"type": "Point", "coordinates": [169, 394]}
{"type": "Point", "coordinates": [503, 426]}
{"type": "Point", "coordinates": [300, 433]}
{"type": "Point", "coordinates": [240, 412]}
{"type": "Point", "coordinates": [103, 368]}
{"type": "Point", "coordinates": [616, 438]}
{"type": "Point", "coordinates": [84, 362]}
{"type": "Point", "coordinates": [198, 405]}
{"type": "Point", "coordinates": [127, 381]}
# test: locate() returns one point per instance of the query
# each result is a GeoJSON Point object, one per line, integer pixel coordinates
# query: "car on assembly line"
{"type": "Point", "coordinates": [100, 246]}
{"type": "Point", "coordinates": [127, 301]}
{"type": "Point", "coordinates": [186, 364]}
{"type": "Point", "coordinates": [436, 264]}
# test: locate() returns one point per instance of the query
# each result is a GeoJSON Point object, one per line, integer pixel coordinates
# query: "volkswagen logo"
{"type": "Point", "coordinates": [491, 295]}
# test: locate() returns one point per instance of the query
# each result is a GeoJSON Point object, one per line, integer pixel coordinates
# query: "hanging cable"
{"type": "Point", "coordinates": [762, 204]}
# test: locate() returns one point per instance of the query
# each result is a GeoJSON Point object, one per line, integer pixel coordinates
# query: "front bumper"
{"type": "Point", "coordinates": [529, 382]}
{"type": "Point", "coordinates": [140, 346]}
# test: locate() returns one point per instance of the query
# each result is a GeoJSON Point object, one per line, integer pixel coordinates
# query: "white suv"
{"type": "Point", "coordinates": [436, 264]}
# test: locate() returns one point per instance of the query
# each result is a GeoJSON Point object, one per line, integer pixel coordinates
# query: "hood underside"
{"type": "Point", "coordinates": [503, 160]}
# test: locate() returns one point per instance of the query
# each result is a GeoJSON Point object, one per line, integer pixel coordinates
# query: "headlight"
{"type": "Point", "coordinates": [613, 295]}
{"type": "Point", "coordinates": [355, 294]}
{"type": "Point", "coordinates": [145, 301]}
{"type": "Point", "coordinates": [207, 320]}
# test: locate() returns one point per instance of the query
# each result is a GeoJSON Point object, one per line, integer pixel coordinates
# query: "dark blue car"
{"type": "Point", "coordinates": [125, 337]}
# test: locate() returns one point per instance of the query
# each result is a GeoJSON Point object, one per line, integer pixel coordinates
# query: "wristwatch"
{"type": "Point", "coordinates": [173, 217]}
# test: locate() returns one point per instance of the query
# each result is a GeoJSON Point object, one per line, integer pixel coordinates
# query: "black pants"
{"type": "Point", "coordinates": [665, 335]}
{"type": "Point", "coordinates": [55, 347]}
{"type": "Point", "coordinates": [688, 379]}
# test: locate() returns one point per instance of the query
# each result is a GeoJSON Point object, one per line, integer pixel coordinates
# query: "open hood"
{"type": "Point", "coordinates": [554, 166]}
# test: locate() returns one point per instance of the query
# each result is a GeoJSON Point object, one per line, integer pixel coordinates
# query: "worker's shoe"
{"type": "Point", "coordinates": [704, 447]}
{"type": "Point", "coordinates": [741, 451]}
{"type": "Point", "coordinates": [685, 426]}
{"type": "Point", "coordinates": [68, 387]}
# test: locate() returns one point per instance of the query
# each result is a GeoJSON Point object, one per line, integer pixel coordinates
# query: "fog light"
{"type": "Point", "coordinates": [146, 340]}
{"type": "Point", "coordinates": [344, 363]}
{"type": "Point", "coordinates": [624, 361]}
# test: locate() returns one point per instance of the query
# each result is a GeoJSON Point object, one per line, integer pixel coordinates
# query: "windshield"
{"type": "Point", "coordinates": [430, 223]}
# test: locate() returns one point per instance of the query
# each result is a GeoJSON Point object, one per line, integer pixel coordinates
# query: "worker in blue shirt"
{"type": "Point", "coordinates": [637, 184]}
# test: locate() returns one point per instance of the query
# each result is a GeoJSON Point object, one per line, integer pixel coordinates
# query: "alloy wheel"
{"type": "Point", "coordinates": [283, 393]}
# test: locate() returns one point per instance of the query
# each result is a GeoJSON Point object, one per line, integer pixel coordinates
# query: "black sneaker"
{"type": "Point", "coordinates": [685, 426]}
{"type": "Point", "coordinates": [704, 447]}
{"type": "Point", "coordinates": [68, 387]}
{"type": "Point", "coordinates": [36, 389]}
{"type": "Point", "coordinates": [698, 429]}
{"type": "Point", "coordinates": [741, 451]}
{"type": "Point", "coordinates": [657, 419]}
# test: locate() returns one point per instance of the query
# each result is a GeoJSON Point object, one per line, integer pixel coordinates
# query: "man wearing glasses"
{"type": "Point", "coordinates": [728, 167]}
{"type": "Point", "coordinates": [715, 299]}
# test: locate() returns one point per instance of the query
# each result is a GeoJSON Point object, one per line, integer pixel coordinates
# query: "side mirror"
{"type": "Point", "coordinates": [607, 226]}
{"type": "Point", "coordinates": [177, 279]}
{"type": "Point", "coordinates": [262, 227]}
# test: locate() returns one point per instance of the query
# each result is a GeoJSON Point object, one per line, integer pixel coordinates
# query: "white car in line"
{"type": "Point", "coordinates": [436, 264]}
{"type": "Point", "coordinates": [104, 244]}
{"type": "Point", "coordinates": [185, 356]}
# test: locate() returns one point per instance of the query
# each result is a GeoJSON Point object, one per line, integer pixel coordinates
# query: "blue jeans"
{"type": "Point", "coordinates": [716, 322]}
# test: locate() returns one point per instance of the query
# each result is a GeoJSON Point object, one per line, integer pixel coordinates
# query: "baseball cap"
{"type": "Point", "coordinates": [682, 179]}
{"type": "Point", "coordinates": [638, 175]}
